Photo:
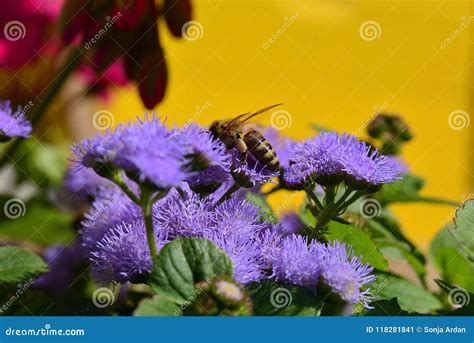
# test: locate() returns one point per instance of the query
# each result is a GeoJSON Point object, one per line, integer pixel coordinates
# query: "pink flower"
{"type": "Point", "coordinates": [126, 30]}
{"type": "Point", "coordinates": [98, 82]}
{"type": "Point", "coordinates": [28, 28]}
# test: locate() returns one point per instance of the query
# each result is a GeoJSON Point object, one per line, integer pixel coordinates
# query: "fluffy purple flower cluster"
{"type": "Point", "coordinates": [150, 151]}
{"type": "Point", "coordinates": [330, 155]}
{"type": "Point", "coordinates": [296, 260]}
{"type": "Point", "coordinates": [63, 261]}
{"type": "Point", "coordinates": [13, 124]}
{"type": "Point", "coordinates": [259, 250]}
{"type": "Point", "coordinates": [196, 171]}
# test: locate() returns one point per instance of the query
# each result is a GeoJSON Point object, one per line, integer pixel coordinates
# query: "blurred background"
{"type": "Point", "coordinates": [333, 63]}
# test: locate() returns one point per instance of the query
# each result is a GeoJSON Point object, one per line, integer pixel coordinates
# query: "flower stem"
{"type": "Point", "coordinates": [331, 208]}
{"type": "Point", "coordinates": [147, 205]}
{"type": "Point", "coordinates": [146, 201]}
{"type": "Point", "coordinates": [314, 197]}
{"type": "Point", "coordinates": [148, 198]}
{"type": "Point", "coordinates": [51, 92]}
{"type": "Point", "coordinates": [118, 179]}
{"type": "Point", "coordinates": [330, 195]}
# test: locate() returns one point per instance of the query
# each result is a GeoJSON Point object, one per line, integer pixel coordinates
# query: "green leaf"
{"type": "Point", "coordinates": [157, 306]}
{"type": "Point", "coordinates": [319, 128]}
{"type": "Point", "coordinates": [306, 216]}
{"type": "Point", "coordinates": [273, 299]}
{"type": "Point", "coordinates": [464, 229]}
{"type": "Point", "coordinates": [404, 190]}
{"type": "Point", "coordinates": [19, 265]}
{"type": "Point", "coordinates": [387, 235]}
{"type": "Point", "coordinates": [400, 252]}
{"type": "Point", "coordinates": [361, 243]}
{"type": "Point", "coordinates": [449, 260]}
{"type": "Point", "coordinates": [386, 308]}
{"type": "Point", "coordinates": [411, 297]}
{"type": "Point", "coordinates": [184, 262]}
{"type": "Point", "coordinates": [266, 211]}
{"type": "Point", "coordinates": [41, 224]}
{"type": "Point", "coordinates": [458, 297]}
{"type": "Point", "coordinates": [407, 190]}
{"type": "Point", "coordinates": [43, 163]}
{"type": "Point", "coordinates": [389, 223]}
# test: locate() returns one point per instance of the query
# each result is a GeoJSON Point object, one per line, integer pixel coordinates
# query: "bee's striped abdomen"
{"type": "Point", "coordinates": [261, 149]}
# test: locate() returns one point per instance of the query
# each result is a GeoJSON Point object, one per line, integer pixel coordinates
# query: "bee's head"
{"type": "Point", "coordinates": [220, 129]}
{"type": "Point", "coordinates": [216, 129]}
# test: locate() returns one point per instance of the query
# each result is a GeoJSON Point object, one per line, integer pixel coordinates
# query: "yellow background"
{"type": "Point", "coordinates": [325, 73]}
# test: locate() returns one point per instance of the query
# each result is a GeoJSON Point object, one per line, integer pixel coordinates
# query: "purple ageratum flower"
{"type": "Point", "coordinates": [315, 157]}
{"type": "Point", "coordinates": [366, 165]}
{"type": "Point", "coordinates": [146, 150]}
{"type": "Point", "coordinates": [63, 262]}
{"type": "Point", "coordinates": [207, 156]}
{"type": "Point", "coordinates": [270, 241]}
{"type": "Point", "coordinates": [233, 225]}
{"type": "Point", "coordinates": [250, 173]}
{"type": "Point", "coordinates": [209, 180]}
{"type": "Point", "coordinates": [241, 194]}
{"type": "Point", "coordinates": [97, 151]}
{"type": "Point", "coordinates": [110, 208]}
{"type": "Point", "coordinates": [123, 254]}
{"type": "Point", "coordinates": [345, 274]}
{"type": "Point", "coordinates": [291, 223]}
{"type": "Point", "coordinates": [244, 252]}
{"type": "Point", "coordinates": [332, 155]}
{"type": "Point", "coordinates": [85, 182]}
{"type": "Point", "coordinates": [184, 214]}
{"type": "Point", "coordinates": [239, 216]}
{"type": "Point", "coordinates": [297, 261]}
{"type": "Point", "coordinates": [400, 164]}
{"type": "Point", "coordinates": [203, 150]}
{"type": "Point", "coordinates": [13, 124]}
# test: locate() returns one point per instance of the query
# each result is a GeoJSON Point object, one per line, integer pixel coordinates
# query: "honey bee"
{"type": "Point", "coordinates": [233, 134]}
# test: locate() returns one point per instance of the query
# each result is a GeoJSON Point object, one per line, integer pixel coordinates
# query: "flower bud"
{"type": "Point", "coordinates": [221, 297]}
{"type": "Point", "coordinates": [391, 130]}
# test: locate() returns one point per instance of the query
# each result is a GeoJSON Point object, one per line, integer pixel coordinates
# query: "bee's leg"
{"type": "Point", "coordinates": [246, 153]}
